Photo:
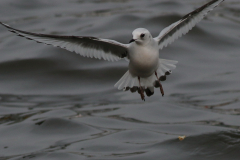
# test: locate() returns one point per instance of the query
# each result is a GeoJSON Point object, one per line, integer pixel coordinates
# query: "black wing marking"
{"type": "Point", "coordinates": [183, 26]}
{"type": "Point", "coordinates": [86, 46]}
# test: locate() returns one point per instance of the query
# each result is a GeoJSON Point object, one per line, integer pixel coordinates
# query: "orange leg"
{"type": "Point", "coordinates": [140, 90]}
{"type": "Point", "coordinates": [161, 88]}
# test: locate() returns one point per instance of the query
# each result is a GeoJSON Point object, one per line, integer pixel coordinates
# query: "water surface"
{"type": "Point", "coordinates": [58, 105]}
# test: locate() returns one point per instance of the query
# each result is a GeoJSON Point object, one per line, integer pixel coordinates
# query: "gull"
{"type": "Point", "coordinates": [145, 69]}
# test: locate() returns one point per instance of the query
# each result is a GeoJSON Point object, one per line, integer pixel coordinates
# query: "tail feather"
{"type": "Point", "coordinates": [149, 91]}
{"type": "Point", "coordinates": [166, 66]}
{"type": "Point", "coordinates": [129, 81]}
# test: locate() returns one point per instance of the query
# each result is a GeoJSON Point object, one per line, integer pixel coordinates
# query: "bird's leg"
{"type": "Point", "coordinates": [161, 88]}
{"type": "Point", "coordinates": [140, 91]}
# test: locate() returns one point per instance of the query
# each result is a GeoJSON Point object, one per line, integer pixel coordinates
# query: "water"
{"type": "Point", "coordinates": [58, 105]}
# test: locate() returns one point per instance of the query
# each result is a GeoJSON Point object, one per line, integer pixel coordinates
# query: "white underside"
{"type": "Point", "coordinates": [129, 80]}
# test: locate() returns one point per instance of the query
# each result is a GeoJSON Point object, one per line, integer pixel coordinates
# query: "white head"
{"type": "Point", "coordinates": [141, 36]}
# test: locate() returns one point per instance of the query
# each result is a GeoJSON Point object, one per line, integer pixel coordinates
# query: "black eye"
{"type": "Point", "coordinates": [142, 35]}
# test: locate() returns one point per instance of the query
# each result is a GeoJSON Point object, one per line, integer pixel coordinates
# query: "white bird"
{"type": "Point", "coordinates": [145, 70]}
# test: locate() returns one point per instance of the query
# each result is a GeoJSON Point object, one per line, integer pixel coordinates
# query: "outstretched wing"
{"type": "Point", "coordinates": [86, 46]}
{"type": "Point", "coordinates": [181, 27]}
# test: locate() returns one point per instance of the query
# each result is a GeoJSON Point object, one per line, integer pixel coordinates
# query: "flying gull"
{"type": "Point", "coordinates": [145, 69]}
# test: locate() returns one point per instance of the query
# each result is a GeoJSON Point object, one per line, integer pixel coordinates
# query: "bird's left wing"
{"type": "Point", "coordinates": [181, 27]}
{"type": "Point", "coordinates": [86, 46]}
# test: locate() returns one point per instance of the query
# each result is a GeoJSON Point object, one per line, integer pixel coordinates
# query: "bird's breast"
{"type": "Point", "coordinates": [143, 62]}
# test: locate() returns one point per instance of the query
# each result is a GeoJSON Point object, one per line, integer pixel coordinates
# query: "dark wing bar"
{"type": "Point", "coordinates": [86, 46]}
{"type": "Point", "coordinates": [184, 25]}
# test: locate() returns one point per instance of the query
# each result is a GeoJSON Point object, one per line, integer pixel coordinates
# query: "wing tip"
{"type": "Point", "coordinates": [4, 24]}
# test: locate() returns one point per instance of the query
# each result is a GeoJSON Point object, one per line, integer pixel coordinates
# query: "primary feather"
{"type": "Point", "coordinates": [184, 25]}
{"type": "Point", "coordinates": [86, 46]}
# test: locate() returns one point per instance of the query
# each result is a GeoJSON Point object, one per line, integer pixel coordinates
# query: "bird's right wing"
{"type": "Point", "coordinates": [184, 25]}
{"type": "Point", "coordinates": [86, 46]}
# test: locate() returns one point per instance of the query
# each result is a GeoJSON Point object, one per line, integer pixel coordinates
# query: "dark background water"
{"type": "Point", "coordinates": [58, 105]}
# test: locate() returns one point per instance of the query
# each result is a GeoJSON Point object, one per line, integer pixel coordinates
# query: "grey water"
{"type": "Point", "coordinates": [57, 105]}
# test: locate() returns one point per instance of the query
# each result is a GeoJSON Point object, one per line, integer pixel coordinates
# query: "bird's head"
{"type": "Point", "coordinates": [141, 36]}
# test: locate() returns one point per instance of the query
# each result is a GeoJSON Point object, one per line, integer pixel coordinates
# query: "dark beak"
{"type": "Point", "coordinates": [132, 40]}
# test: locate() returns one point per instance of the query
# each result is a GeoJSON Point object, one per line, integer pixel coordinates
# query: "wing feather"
{"type": "Point", "coordinates": [183, 26]}
{"type": "Point", "coordinates": [86, 46]}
